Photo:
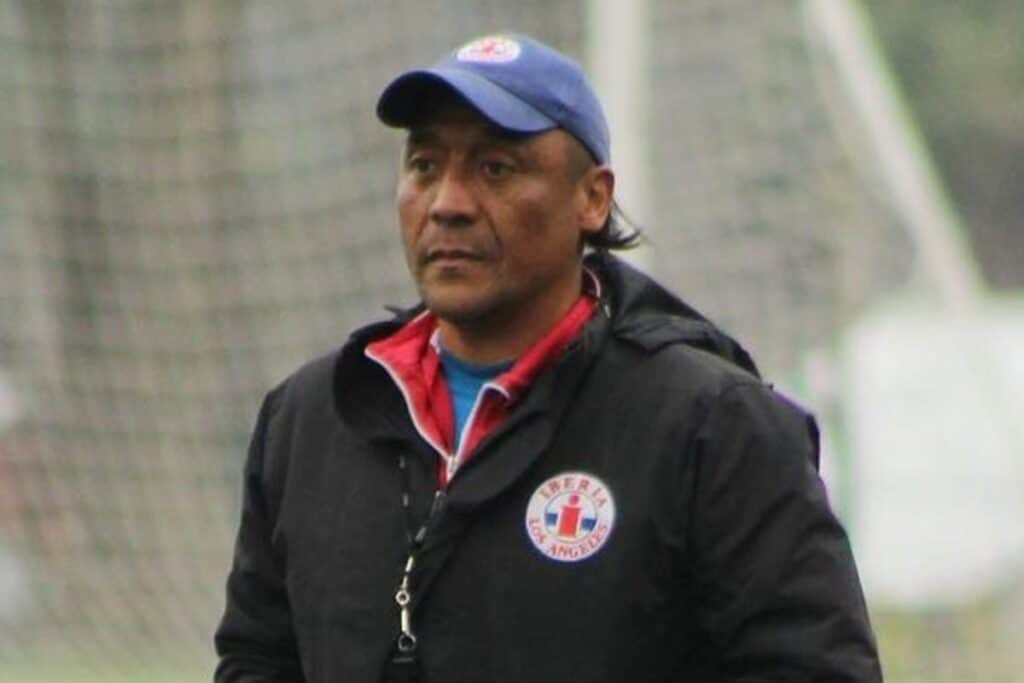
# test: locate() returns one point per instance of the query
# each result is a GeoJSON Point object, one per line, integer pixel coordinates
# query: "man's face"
{"type": "Point", "coordinates": [491, 223]}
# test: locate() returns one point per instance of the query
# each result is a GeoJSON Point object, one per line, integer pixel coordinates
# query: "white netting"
{"type": "Point", "coordinates": [196, 196]}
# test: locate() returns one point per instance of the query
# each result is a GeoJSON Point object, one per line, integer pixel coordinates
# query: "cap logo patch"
{"type": "Point", "coordinates": [492, 49]}
{"type": "Point", "coordinates": [570, 516]}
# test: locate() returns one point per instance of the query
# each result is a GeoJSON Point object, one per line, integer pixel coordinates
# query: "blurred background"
{"type": "Point", "coordinates": [195, 197]}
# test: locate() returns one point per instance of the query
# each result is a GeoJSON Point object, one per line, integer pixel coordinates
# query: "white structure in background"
{"type": "Point", "coordinates": [618, 46]}
{"type": "Point", "coordinates": [939, 510]}
{"type": "Point", "coordinates": [14, 578]}
{"type": "Point", "coordinates": [934, 384]}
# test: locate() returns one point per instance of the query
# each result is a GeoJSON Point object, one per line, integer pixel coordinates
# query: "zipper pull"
{"type": "Point", "coordinates": [403, 667]}
{"type": "Point", "coordinates": [403, 598]}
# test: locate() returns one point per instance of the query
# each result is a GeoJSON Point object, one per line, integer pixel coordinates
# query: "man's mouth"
{"type": "Point", "coordinates": [450, 254]}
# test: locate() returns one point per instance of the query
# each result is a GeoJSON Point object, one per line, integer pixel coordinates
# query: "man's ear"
{"type": "Point", "coordinates": [596, 187]}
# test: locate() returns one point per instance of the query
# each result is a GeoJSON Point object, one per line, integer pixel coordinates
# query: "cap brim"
{"type": "Point", "coordinates": [403, 101]}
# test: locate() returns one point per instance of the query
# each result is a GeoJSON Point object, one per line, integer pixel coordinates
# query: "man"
{"type": "Point", "coordinates": [551, 469]}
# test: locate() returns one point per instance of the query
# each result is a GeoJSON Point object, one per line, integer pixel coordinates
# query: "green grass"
{"type": "Point", "coordinates": [45, 674]}
{"type": "Point", "coordinates": [967, 645]}
{"type": "Point", "coordinates": [70, 673]}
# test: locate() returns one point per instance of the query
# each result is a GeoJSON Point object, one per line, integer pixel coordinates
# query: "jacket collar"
{"type": "Point", "coordinates": [646, 314]}
{"type": "Point", "coordinates": [371, 404]}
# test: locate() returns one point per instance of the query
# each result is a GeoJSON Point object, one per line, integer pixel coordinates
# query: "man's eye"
{"type": "Point", "coordinates": [496, 169]}
{"type": "Point", "coordinates": [421, 165]}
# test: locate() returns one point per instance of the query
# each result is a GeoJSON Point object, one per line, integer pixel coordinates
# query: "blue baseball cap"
{"type": "Point", "coordinates": [514, 81]}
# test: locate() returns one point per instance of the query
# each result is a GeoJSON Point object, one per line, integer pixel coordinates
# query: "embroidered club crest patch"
{"type": "Point", "coordinates": [570, 516]}
{"type": "Point", "coordinates": [494, 49]}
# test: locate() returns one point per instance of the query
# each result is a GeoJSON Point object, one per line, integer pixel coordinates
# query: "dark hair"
{"type": "Point", "coordinates": [618, 233]}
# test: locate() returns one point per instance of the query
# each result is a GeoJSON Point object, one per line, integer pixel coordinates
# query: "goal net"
{"type": "Point", "coordinates": [196, 196]}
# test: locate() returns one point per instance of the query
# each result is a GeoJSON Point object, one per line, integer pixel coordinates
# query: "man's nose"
{"type": "Point", "coordinates": [454, 203]}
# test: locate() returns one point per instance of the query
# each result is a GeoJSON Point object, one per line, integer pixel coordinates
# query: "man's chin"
{"type": "Point", "coordinates": [460, 310]}
{"type": "Point", "coordinates": [458, 314]}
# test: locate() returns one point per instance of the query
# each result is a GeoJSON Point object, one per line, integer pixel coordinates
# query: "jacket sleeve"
{"type": "Point", "coordinates": [255, 642]}
{"type": "Point", "coordinates": [779, 598]}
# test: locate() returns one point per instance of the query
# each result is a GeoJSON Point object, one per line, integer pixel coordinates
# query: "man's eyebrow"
{"type": "Point", "coordinates": [421, 136]}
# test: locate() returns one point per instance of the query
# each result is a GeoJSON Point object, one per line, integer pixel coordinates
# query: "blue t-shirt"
{"type": "Point", "coordinates": [464, 382]}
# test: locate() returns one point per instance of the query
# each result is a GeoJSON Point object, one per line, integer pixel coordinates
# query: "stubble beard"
{"type": "Point", "coordinates": [467, 312]}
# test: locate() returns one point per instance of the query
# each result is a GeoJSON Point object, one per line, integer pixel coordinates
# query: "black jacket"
{"type": "Point", "coordinates": [723, 561]}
